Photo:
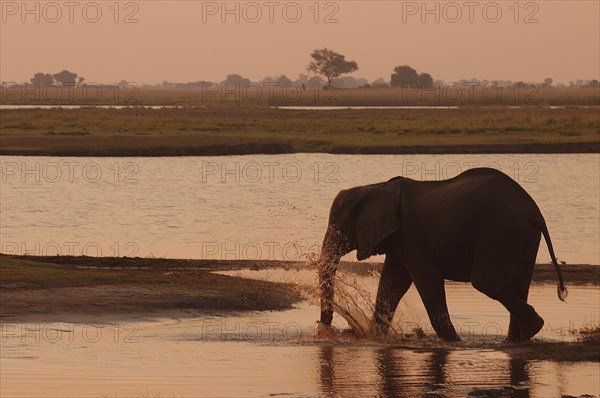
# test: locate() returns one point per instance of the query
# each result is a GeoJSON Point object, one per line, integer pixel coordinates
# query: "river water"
{"type": "Point", "coordinates": [274, 207]}
{"type": "Point", "coordinates": [253, 207]}
{"type": "Point", "coordinates": [273, 354]}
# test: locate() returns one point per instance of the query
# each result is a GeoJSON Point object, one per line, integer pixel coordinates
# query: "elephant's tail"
{"type": "Point", "coordinates": [562, 290]}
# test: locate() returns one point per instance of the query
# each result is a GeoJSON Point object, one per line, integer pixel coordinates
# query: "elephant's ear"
{"type": "Point", "coordinates": [378, 218]}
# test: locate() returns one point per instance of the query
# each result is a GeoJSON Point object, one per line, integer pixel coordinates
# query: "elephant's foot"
{"type": "Point", "coordinates": [448, 334]}
{"type": "Point", "coordinates": [381, 324]}
{"type": "Point", "coordinates": [445, 330]}
{"type": "Point", "coordinates": [514, 331]}
{"type": "Point", "coordinates": [531, 327]}
{"type": "Point", "coordinates": [513, 339]}
{"type": "Point", "coordinates": [440, 320]}
{"type": "Point", "coordinates": [523, 317]}
{"type": "Point", "coordinates": [379, 330]}
{"type": "Point", "coordinates": [519, 332]}
{"type": "Point", "coordinates": [324, 330]}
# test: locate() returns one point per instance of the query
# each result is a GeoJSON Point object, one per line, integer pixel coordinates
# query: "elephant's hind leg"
{"type": "Point", "coordinates": [394, 283]}
{"type": "Point", "coordinates": [520, 286]}
{"type": "Point", "coordinates": [503, 273]}
{"type": "Point", "coordinates": [514, 328]}
{"type": "Point", "coordinates": [529, 321]}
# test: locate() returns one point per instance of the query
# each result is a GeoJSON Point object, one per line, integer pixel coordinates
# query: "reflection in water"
{"type": "Point", "coordinates": [397, 373]}
{"type": "Point", "coordinates": [327, 370]}
{"type": "Point", "coordinates": [437, 372]}
{"type": "Point", "coordinates": [173, 358]}
{"type": "Point", "coordinates": [519, 376]}
{"type": "Point", "coordinates": [407, 374]}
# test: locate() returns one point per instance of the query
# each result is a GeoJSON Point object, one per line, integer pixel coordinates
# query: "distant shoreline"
{"type": "Point", "coordinates": [574, 274]}
{"type": "Point", "coordinates": [279, 148]}
{"type": "Point", "coordinates": [224, 130]}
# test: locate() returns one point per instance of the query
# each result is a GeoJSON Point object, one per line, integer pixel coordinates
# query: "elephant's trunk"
{"type": "Point", "coordinates": [330, 257]}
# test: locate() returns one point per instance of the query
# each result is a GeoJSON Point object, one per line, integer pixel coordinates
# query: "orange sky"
{"type": "Point", "coordinates": [188, 41]}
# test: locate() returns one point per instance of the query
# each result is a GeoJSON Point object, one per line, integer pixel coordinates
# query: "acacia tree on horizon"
{"type": "Point", "coordinates": [63, 78]}
{"type": "Point", "coordinates": [405, 75]}
{"type": "Point", "coordinates": [330, 64]}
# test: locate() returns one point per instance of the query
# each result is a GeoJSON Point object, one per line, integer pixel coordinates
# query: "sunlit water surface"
{"type": "Point", "coordinates": [253, 207]}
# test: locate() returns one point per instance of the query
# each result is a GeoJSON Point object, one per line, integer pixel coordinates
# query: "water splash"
{"type": "Point", "coordinates": [355, 302]}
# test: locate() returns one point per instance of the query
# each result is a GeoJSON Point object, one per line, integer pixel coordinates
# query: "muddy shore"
{"type": "Point", "coordinates": [63, 289]}
{"type": "Point", "coordinates": [108, 289]}
{"type": "Point", "coordinates": [52, 288]}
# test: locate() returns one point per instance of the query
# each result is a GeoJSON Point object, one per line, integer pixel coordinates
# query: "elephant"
{"type": "Point", "coordinates": [480, 227]}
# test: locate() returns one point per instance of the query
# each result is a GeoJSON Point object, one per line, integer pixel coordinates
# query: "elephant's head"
{"type": "Point", "coordinates": [360, 218]}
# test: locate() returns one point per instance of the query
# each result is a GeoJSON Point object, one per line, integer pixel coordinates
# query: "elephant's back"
{"type": "Point", "coordinates": [488, 189]}
{"type": "Point", "coordinates": [477, 205]}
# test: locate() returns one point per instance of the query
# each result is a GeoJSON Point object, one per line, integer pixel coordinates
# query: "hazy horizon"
{"type": "Point", "coordinates": [186, 41]}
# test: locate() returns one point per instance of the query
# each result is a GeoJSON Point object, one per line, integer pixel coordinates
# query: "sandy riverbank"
{"type": "Point", "coordinates": [60, 287]}
{"type": "Point", "coordinates": [65, 289]}
{"type": "Point", "coordinates": [108, 290]}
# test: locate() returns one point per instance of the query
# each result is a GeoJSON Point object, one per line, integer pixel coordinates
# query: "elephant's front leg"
{"type": "Point", "coordinates": [395, 281]}
{"type": "Point", "coordinates": [430, 284]}
{"type": "Point", "coordinates": [437, 310]}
